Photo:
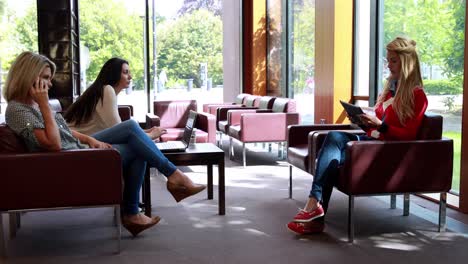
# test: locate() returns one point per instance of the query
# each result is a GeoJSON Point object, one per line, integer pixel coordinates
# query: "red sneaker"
{"type": "Point", "coordinates": [312, 227]}
{"type": "Point", "coordinates": [304, 217]}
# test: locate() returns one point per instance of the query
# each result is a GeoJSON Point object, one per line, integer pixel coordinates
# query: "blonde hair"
{"type": "Point", "coordinates": [410, 78]}
{"type": "Point", "coordinates": [23, 73]}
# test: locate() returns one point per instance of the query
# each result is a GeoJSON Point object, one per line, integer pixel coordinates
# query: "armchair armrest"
{"type": "Point", "coordinates": [152, 120]}
{"type": "Point", "coordinates": [316, 138]}
{"type": "Point", "coordinates": [222, 112]}
{"type": "Point", "coordinates": [207, 123]}
{"type": "Point", "coordinates": [212, 108]}
{"type": "Point", "coordinates": [85, 177]}
{"type": "Point", "coordinates": [234, 115]}
{"type": "Point", "coordinates": [125, 112]}
{"type": "Point", "coordinates": [397, 167]}
{"type": "Point", "coordinates": [297, 134]}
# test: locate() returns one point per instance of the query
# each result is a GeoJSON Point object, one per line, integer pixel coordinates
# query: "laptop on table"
{"type": "Point", "coordinates": [180, 145]}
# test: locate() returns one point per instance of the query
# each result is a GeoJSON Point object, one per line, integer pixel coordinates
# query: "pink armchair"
{"type": "Point", "coordinates": [262, 125]}
{"type": "Point", "coordinates": [172, 115]}
{"type": "Point", "coordinates": [251, 102]}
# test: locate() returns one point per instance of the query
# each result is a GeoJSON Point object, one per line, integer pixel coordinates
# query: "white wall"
{"type": "Point", "coordinates": [231, 49]}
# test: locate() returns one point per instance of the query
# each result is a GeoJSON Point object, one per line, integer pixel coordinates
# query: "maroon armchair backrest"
{"type": "Point", "coordinates": [10, 142]}
{"type": "Point", "coordinates": [431, 127]}
{"type": "Point", "coordinates": [174, 114]}
{"type": "Point", "coordinates": [125, 112]}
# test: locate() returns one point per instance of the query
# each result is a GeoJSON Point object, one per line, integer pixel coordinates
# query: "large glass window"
{"type": "Point", "coordinates": [438, 27]}
{"type": "Point", "coordinates": [186, 62]}
{"type": "Point", "coordinates": [301, 56]}
{"type": "Point", "coordinates": [18, 33]}
{"type": "Point", "coordinates": [362, 50]}
{"type": "Point", "coordinates": [276, 56]}
{"type": "Point", "coordinates": [291, 58]}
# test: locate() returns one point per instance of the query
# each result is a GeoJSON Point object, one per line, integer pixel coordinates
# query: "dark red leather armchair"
{"type": "Point", "coordinates": [173, 115]}
{"type": "Point", "coordinates": [53, 180]}
{"type": "Point", "coordinates": [418, 166]}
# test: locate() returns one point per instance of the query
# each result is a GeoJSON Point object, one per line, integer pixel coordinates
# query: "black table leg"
{"type": "Point", "coordinates": [221, 186]}
{"type": "Point", "coordinates": [147, 192]}
{"type": "Point", "coordinates": [210, 181]}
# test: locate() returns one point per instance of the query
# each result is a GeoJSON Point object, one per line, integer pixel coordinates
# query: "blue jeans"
{"type": "Point", "coordinates": [330, 157]}
{"type": "Point", "coordinates": [136, 150]}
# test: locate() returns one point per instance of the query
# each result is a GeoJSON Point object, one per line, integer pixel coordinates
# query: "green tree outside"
{"type": "Point", "coordinates": [186, 42]}
{"type": "Point", "coordinates": [303, 45]}
{"type": "Point", "coordinates": [109, 30]}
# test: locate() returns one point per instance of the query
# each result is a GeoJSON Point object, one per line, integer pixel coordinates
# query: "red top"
{"type": "Point", "coordinates": [397, 131]}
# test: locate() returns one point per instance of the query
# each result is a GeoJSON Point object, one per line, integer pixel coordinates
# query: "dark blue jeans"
{"type": "Point", "coordinates": [136, 150]}
{"type": "Point", "coordinates": [330, 157]}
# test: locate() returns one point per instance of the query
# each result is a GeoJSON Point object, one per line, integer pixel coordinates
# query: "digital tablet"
{"type": "Point", "coordinates": [353, 112]}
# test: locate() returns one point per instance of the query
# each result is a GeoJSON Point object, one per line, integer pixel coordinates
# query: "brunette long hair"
{"type": "Point", "coordinates": [81, 110]}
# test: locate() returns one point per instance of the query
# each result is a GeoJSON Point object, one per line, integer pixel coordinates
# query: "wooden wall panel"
{"type": "Point", "coordinates": [333, 58]}
{"type": "Point", "coordinates": [254, 47]}
{"type": "Point", "coordinates": [324, 60]}
{"type": "Point", "coordinates": [342, 89]}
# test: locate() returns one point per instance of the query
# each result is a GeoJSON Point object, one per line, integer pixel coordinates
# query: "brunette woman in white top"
{"type": "Point", "coordinates": [96, 109]}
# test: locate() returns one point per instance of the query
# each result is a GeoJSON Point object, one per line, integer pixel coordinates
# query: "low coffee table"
{"type": "Point", "coordinates": [197, 154]}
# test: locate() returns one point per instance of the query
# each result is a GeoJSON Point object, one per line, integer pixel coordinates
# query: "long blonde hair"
{"type": "Point", "coordinates": [23, 73]}
{"type": "Point", "coordinates": [410, 77]}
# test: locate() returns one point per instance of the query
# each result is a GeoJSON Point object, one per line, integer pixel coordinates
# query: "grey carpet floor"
{"type": "Point", "coordinates": [252, 231]}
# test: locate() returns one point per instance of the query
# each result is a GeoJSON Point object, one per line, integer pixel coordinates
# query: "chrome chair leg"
{"type": "Point", "coordinates": [118, 228]}
{"type": "Point", "coordinates": [406, 204]}
{"type": "Point", "coordinates": [3, 239]}
{"type": "Point", "coordinates": [290, 181]}
{"type": "Point", "coordinates": [14, 219]}
{"type": "Point", "coordinates": [244, 158]}
{"type": "Point", "coordinates": [351, 219]}
{"type": "Point", "coordinates": [442, 212]}
{"type": "Point", "coordinates": [231, 149]}
{"type": "Point", "coordinates": [393, 201]}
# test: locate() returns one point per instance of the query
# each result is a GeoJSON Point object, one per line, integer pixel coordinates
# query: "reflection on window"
{"type": "Point", "coordinates": [276, 69]}
{"type": "Point", "coordinates": [186, 64]}
{"type": "Point", "coordinates": [302, 57]}
{"type": "Point", "coordinates": [438, 28]}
